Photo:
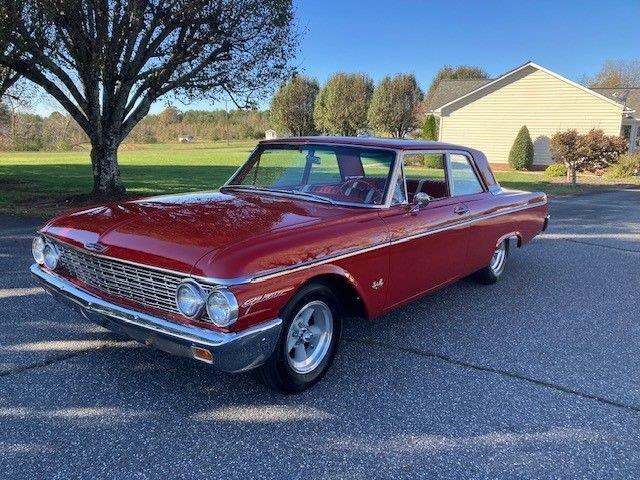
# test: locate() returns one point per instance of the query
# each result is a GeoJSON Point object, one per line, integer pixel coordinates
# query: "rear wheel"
{"type": "Point", "coordinates": [312, 324]}
{"type": "Point", "coordinates": [492, 272]}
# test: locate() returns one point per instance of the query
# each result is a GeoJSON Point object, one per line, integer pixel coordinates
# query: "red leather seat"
{"type": "Point", "coordinates": [433, 188]}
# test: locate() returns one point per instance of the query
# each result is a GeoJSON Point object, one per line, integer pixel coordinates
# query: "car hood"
{"type": "Point", "coordinates": [175, 231]}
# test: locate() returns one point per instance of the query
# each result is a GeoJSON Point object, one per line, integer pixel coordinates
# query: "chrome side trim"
{"type": "Point", "coordinates": [233, 351]}
{"type": "Point", "coordinates": [267, 275]}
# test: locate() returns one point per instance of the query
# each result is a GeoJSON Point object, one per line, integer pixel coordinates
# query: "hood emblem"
{"type": "Point", "coordinates": [95, 247]}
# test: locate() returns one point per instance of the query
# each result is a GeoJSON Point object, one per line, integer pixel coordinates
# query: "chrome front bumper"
{"type": "Point", "coordinates": [232, 352]}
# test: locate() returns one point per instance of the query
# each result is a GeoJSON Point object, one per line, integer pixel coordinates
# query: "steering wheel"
{"type": "Point", "coordinates": [347, 187]}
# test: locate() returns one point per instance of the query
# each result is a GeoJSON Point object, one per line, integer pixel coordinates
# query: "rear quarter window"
{"type": "Point", "coordinates": [464, 180]}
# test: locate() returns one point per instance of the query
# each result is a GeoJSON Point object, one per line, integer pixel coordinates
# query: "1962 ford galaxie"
{"type": "Point", "coordinates": [309, 230]}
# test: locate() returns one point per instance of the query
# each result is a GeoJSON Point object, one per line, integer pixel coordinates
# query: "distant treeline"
{"type": "Point", "coordinates": [29, 132]}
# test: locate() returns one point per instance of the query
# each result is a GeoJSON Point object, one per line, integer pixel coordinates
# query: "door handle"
{"type": "Point", "coordinates": [461, 209]}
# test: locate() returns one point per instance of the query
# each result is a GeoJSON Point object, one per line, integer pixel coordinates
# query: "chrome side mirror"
{"type": "Point", "coordinates": [420, 200]}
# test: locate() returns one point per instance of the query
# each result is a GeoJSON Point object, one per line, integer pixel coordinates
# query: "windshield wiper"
{"type": "Point", "coordinates": [311, 195]}
{"type": "Point", "coordinates": [280, 190]}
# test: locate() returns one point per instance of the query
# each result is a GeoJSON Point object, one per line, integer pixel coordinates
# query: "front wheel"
{"type": "Point", "coordinates": [312, 325]}
{"type": "Point", "coordinates": [491, 273]}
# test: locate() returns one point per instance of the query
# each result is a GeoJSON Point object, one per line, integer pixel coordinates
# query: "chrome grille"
{"type": "Point", "coordinates": [142, 285]}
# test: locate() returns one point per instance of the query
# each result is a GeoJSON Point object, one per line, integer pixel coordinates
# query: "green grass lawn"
{"type": "Point", "coordinates": [42, 183]}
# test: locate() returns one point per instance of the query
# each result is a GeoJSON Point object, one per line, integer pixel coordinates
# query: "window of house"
{"type": "Point", "coordinates": [464, 180]}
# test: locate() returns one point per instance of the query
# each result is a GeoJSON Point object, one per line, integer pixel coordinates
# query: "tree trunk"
{"type": "Point", "coordinates": [106, 173]}
{"type": "Point", "coordinates": [571, 175]}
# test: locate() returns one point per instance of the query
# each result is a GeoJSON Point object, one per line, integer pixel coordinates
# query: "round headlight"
{"type": "Point", "coordinates": [37, 249]}
{"type": "Point", "coordinates": [51, 256]}
{"type": "Point", "coordinates": [222, 307]}
{"type": "Point", "coordinates": [190, 299]}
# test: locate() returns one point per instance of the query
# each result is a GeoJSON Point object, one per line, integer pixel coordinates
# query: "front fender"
{"type": "Point", "coordinates": [263, 299]}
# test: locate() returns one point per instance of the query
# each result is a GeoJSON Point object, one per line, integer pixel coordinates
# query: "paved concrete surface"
{"type": "Point", "coordinates": [537, 376]}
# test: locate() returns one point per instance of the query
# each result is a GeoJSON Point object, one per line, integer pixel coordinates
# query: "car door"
{"type": "Point", "coordinates": [427, 247]}
{"type": "Point", "coordinates": [473, 205]}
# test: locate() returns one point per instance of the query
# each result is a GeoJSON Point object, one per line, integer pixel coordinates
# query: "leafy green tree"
{"type": "Point", "coordinates": [430, 128]}
{"type": "Point", "coordinates": [293, 104]}
{"type": "Point", "coordinates": [342, 104]}
{"type": "Point", "coordinates": [521, 153]}
{"type": "Point", "coordinates": [394, 105]}
{"type": "Point", "coordinates": [460, 72]}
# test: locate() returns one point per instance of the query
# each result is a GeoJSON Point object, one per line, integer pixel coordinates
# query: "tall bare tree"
{"type": "Point", "coordinates": [107, 61]}
{"type": "Point", "coordinates": [617, 74]}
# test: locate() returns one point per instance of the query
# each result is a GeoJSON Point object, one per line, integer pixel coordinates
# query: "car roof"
{"type": "Point", "coordinates": [393, 143]}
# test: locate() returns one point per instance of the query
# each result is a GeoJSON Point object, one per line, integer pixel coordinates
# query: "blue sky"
{"type": "Point", "coordinates": [378, 37]}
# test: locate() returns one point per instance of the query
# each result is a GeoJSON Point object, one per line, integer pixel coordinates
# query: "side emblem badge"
{"type": "Point", "coordinates": [95, 247]}
{"type": "Point", "coordinates": [377, 284]}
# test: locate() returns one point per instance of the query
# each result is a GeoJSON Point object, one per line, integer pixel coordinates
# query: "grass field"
{"type": "Point", "coordinates": [44, 182]}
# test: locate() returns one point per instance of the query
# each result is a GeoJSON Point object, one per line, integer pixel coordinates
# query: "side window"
{"type": "Point", "coordinates": [425, 172]}
{"type": "Point", "coordinates": [463, 178]}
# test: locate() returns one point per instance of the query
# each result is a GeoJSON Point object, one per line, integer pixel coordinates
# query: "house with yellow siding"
{"type": "Point", "coordinates": [487, 114]}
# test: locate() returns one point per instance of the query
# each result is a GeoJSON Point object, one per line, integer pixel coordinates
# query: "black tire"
{"type": "Point", "coordinates": [277, 372]}
{"type": "Point", "coordinates": [491, 273]}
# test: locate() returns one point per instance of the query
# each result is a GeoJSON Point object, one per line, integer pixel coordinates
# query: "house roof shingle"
{"type": "Point", "coordinates": [629, 97]}
{"type": "Point", "coordinates": [448, 90]}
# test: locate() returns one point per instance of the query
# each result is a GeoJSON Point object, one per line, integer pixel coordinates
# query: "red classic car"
{"type": "Point", "coordinates": [308, 231]}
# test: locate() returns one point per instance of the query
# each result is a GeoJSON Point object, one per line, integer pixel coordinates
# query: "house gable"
{"type": "Point", "coordinates": [490, 117]}
{"type": "Point", "coordinates": [512, 76]}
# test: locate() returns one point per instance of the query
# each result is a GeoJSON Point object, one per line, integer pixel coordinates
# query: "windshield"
{"type": "Point", "coordinates": [334, 174]}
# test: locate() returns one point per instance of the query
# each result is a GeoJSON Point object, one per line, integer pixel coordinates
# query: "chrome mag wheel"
{"type": "Point", "coordinates": [309, 337]}
{"type": "Point", "coordinates": [499, 257]}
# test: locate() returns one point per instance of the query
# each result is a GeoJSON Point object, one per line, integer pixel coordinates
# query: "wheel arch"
{"type": "Point", "coordinates": [517, 236]}
{"type": "Point", "coordinates": [346, 289]}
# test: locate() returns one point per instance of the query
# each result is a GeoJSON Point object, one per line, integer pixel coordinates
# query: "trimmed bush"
{"type": "Point", "coordinates": [626, 166]}
{"type": "Point", "coordinates": [430, 128]}
{"type": "Point", "coordinates": [556, 170]}
{"type": "Point", "coordinates": [521, 154]}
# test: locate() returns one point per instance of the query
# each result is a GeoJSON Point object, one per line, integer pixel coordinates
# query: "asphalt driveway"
{"type": "Point", "coordinates": [537, 376]}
